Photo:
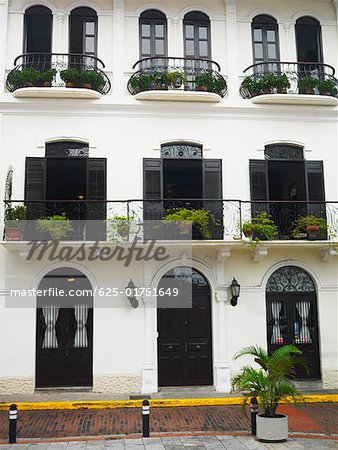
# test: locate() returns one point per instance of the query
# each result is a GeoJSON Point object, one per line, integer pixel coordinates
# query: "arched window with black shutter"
{"type": "Point", "coordinates": [38, 30]}
{"type": "Point", "coordinates": [197, 42]}
{"type": "Point", "coordinates": [153, 34]}
{"type": "Point", "coordinates": [83, 31]}
{"type": "Point", "coordinates": [265, 41]}
{"type": "Point", "coordinates": [309, 40]}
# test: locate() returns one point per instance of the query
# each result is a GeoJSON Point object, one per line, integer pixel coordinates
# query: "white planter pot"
{"type": "Point", "coordinates": [272, 429]}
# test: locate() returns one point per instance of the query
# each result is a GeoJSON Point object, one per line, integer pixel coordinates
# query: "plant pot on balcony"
{"type": "Point", "coordinates": [13, 234]}
{"type": "Point", "coordinates": [87, 85]}
{"type": "Point", "coordinates": [272, 429]}
{"type": "Point", "coordinates": [312, 232]}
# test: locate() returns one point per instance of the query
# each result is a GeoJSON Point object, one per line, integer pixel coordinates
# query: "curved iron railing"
{"type": "Point", "coordinates": [90, 218]}
{"type": "Point", "coordinates": [58, 70]}
{"type": "Point", "coordinates": [163, 73]}
{"type": "Point", "coordinates": [289, 78]}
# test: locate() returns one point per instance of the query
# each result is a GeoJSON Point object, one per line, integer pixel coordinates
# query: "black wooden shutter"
{"type": "Point", "coordinates": [212, 180]}
{"type": "Point", "coordinates": [152, 190]}
{"type": "Point", "coordinates": [35, 174]}
{"type": "Point", "coordinates": [315, 188]}
{"type": "Point", "coordinates": [96, 190]}
{"type": "Point", "coordinates": [259, 188]}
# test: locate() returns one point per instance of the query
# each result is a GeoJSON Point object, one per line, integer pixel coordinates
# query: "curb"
{"type": "Point", "coordinates": [155, 403]}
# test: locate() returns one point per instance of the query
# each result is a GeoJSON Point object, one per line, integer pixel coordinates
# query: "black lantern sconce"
{"type": "Point", "coordinates": [235, 290]}
{"type": "Point", "coordinates": [130, 293]}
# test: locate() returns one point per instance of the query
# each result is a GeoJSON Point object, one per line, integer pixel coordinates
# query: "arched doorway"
{"type": "Point", "coordinates": [291, 305]}
{"type": "Point", "coordinates": [64, 336]}
{"type": "Point", "coordinates": [184, 330]}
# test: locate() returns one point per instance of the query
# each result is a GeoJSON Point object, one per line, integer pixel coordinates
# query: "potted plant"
{"type": "Point", "coordinates": [141, 82]}
{"type": "Point", "coordinates": [57, 226]}
{"type": "Point", "coordinates": [271, 384]}
{"type": "Point", "coordinates": [204, 81]}
{"type": "Point", "coordinates": [14, 217]}
{"type": "Point", "coordinates": [260, 227]}
{"type": "Point", "coordinates": [159, 80]}
{"type": "Point", "coordinates": [282, 84]}
{"type": "Point", "coordinates": [120, 225]}
{"type": "Point", "coordinates": [15, 79]}
{"type": "Point", "coordinates": [328, 87]}
{"type": "Point", "coordinates": [251, 85]}
{"type": "Point", "coordinates": [186, 218]}
{"type": "Point", "coordinates": [175, 79]}
{"type": "Point", "coordinates": [307, 85]}
{"type": "Point", "coordinates": [267, 83]}
{"type": "Point", "coordinates": [47, 77]}
{"type": "Point", "coordinates": [70, 76]}
{"type": "Point", "coordinates": [310, 226]}
{"type": "Point", "coordinates": [91, 79]}
{"type": "Point", "coordinates": [27, 77]}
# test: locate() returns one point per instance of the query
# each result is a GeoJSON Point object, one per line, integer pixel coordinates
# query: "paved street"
{"type": "Point", "coordinates": [180, 443]}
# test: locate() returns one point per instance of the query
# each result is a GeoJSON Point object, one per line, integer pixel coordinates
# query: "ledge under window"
{"type": "Point", "coordinates": [292, 99]}
{"type": "Point", "coordinates": [56, 92]}
{"type": "Point", "coordinates": [179, 96]}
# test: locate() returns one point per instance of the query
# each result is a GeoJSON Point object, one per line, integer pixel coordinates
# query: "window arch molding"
{"type": "Point", "coordinates": [83, 4]}
{"type": "Point", "coordinates": [306, 13]}
{"type": "Point", "coordinates": [151, 6]}
{"type": "Point", "coordinates": [264, 12]}
{"type": "Point", "coordinates": [291, 262]}
{"type": "Point", "coordinates": [46, 4]}
{"type": "Point", "coordinates": [189, 9]}
{"type": "Point", "coordinates": [80, 139]}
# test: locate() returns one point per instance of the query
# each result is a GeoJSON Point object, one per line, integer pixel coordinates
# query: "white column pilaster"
{"type": "Point", "coordinates": [232, 48]}
{"type": "Point", "coordinates": [3, 39]}
{"type": "Point", "coordinates": [118, 45]}
{"type": "Point", "coordinates": [175, 41]}
{"type": "Point", "coordinates": [336, 6]}
{"type": "Point", "coordinates": [149, 369]}
{"type": "Point", "coordinates": [60, 41]}
{"type": "Point", "coordinates": [222, 369]}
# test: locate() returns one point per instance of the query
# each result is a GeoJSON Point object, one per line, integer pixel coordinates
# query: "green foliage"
{"type": "Point", "coordinates": [120, 225]}
{"type": "Point", "coordinates": [57, 226]}
{"type": "Point", "coordinates": [201, 218]}
{"type": "Point", "coordinates": [261, 226]}
{"type": "Point", "coordinates": [210, 82]}
{"type": "Point", "coordinates": [308, 84]}
{"type": "Point", "coordinates": [70, 75]}
{"type": "Point", "coordinates": [92, 77]}
{"type": "Point", "coordinates": [47, 76]}
{"type": "Point", "coordinates": [300, 224]}
{"type": "Point", "coordinates": [175, 78]}
{"type": "Point", "coordinates": [15, 215]}
{"type": "Point", "coordinates": [282, 82]}
{"type": "Point", "coordinates": [24, 78]}
{"type": "Point", "coordinates": [141, 82]}
{"type": "Point", "coordinates": [328, 87]}
{"type": "Point", "coordinates": [250, 84]}
{"type": "Point", "coordinates": [271, 382]}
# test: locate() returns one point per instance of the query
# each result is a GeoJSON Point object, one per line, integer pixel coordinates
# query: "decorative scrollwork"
{"type": "Point", "coordinates": [77, 152]}
{"type": "Point", "coordinates": [290, 279]}
{"type": "Point", "coordinates": [181, 151]}
{"type": "Point", "coordinates": [281, 151]}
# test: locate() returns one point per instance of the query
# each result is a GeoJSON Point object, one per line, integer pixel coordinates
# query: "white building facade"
{"type": "Point", "coordinates": [257, 134]}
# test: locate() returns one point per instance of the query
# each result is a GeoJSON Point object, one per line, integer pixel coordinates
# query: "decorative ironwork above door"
{"type": "Point", "coordinates": [290, 279]}
{"type": "Point", "coordinates": [187, 151]}
{"type": "Point", "coordinates": [283, 151]}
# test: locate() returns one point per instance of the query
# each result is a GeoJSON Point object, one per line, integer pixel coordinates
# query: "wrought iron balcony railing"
{"type": "Point", "coordinates": [52, 70]}
{"type": "Point", "coordinates": [163, 73]}
{"type": "Point", "coordinates": [226, 219]}
{"type": "Point", "coordinates": [289, 78]}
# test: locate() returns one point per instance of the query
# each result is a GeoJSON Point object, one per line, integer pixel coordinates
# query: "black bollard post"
{"type": "Point", "coordinates": [13, 415]}
{"type": "Point", "coordinates": [254, 412]}
{"type": "Point", "coordinates": [145, 418]}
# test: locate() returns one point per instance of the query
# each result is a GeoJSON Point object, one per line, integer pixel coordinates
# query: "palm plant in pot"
{"type": "Point", "coordinates": [270, 384]}
{"type": "Point", "coordinates": [14, 222]}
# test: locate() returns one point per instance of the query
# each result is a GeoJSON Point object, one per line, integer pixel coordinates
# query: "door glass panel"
{"type": "Point", "coordinates": [190, 48]}
{"type": "Point", "coordinates": [159, 47]}
{"type": "Point", "coordinates": [189, 31]}
{"type": "Point", "coordinates": [81, 317]}
{"type": "Point", "coordinates": [50, 315]}
{"type": "Point", "coordinates": [272, 51]}
{"type": "Point", "coordinates": [258, 35]}
{"type": "Point", "coordinates": [258, 51]}
{"type": "Point", "coordinates": [90, 28]}
{"type": "Point", "coordinates": [146, 46]}
{"type": "Point", "coordinates": [203, 49]}
{"type": "Point", "coordinates": [159, 31]}
{"type": "Point", "coordinates": [274, 323]}
{"type": "Point", "coordinates": [145, 30]}
{"type": "Point", "coordinates": [303, 335]}
{"type": "Point", "coordinates": [90, 44]}
{"type": "Point", "coordinates": [271, 35]}
{"type": "Point", "coordinates": [203, 32]}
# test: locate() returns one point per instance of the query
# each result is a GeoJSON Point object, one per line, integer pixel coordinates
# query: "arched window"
{"type": "Point", "coordinates": [38, 30]}
{"type": "Point", "coordinates": [83, 31]}
{"type": "Point", "coordinates": [309, 40]}
{"type": "Point", "coordinates": [265, 40]}
{"type": "Point", "coordinates": [291, 315]}
{"type": "Point", "coordinates": [153, 34]}
{"type": "Point", "coordinates": [197, 35]}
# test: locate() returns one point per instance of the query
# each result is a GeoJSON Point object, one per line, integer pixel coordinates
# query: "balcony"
{"type": "Point", "coordinates": [177, 79]}
{"type": "Point", "coordinates": [165, 219]}
{"type": "Point", "coordinates": [290, 83]}
{"type": "Point", "coordinates": [58, 75]}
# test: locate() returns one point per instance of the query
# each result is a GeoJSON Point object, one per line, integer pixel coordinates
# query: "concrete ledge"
{"type": "Point", "coordinates": [156, 403]}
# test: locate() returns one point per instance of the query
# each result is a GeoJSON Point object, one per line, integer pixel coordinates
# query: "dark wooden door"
{"type": "Point", "coordinates": [184, 342]}
{"type": "Point", "coordinates": [64, 331]}
{"type": "Point", "coordinates": [292, 319]}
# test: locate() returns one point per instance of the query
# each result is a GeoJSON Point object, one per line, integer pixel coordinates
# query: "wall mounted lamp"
{"type": "Point", "coordinates": [235, 290]}
{"type": "Point", "coordinates": [130, 293]}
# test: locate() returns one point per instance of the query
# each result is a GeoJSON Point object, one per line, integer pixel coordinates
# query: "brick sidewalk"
{"type": "Point", "coordinates": [311, 418]}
